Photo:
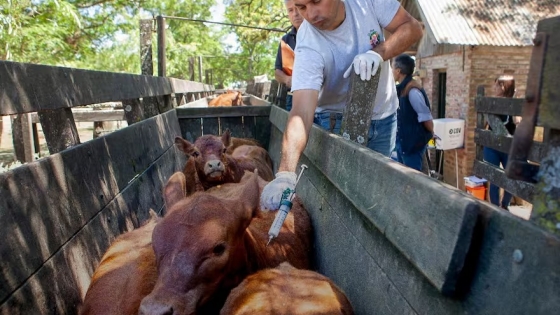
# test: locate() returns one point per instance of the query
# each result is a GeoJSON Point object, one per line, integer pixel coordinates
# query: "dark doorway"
{"type": "Point", "coordinates": [442, 90]}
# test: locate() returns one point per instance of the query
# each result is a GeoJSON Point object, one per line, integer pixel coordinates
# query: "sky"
{"type": "Point", "coordinates": [218, 16]}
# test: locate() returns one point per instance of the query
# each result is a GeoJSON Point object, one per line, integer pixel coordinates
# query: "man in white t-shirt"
{"type": "Point", "coordinates": [336, 37]}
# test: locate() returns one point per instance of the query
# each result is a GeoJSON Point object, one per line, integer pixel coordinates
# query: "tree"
{"type": "Point", "coordinates": [258, 47]}
{"type": "Point", "coordinates": [104, 35]}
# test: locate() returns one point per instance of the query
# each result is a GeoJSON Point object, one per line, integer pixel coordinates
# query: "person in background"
{"type": "Point", "coordinates": [337, 38]}
{"type": "Point", "coordinates": [285, 56]}
{"type": "Point", "coordinates": [504, 86]}
{"type": "Point", "coordinates": [415, 126]}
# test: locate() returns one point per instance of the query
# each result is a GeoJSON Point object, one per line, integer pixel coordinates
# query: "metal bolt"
{"type": "Point", "coordinates": [517, 256]}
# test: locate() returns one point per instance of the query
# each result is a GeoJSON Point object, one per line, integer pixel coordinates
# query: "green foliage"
{"type": "Point", "coordinates": [104, 35]}
{"type": "Point", "coordinates": [258, 47]}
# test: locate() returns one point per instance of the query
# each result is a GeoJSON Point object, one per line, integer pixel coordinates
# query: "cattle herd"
{"type": "Point", "coordinates": [208, 253]}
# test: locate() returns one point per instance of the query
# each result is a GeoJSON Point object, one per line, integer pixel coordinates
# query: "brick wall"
{"type": "Point", "coordinates": [467, 69]}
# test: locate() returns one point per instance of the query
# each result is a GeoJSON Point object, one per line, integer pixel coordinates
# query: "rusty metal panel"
{"type": "Point", "coordinates": [485, 22]}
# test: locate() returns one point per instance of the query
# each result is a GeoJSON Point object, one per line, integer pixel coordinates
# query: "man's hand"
{"type": "Point", "coordinates": [365, 65]}
{"type": "Point", "coordinates": [272, 192]}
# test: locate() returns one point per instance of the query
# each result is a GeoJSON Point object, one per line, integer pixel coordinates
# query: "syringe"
{"type": "Point", "coordinates": [285, 207]}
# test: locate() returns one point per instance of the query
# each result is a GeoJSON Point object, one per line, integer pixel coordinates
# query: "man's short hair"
{"type": "Point", "coordinates": [405, 63]}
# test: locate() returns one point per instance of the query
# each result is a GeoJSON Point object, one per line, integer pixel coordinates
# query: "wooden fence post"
{"type": "Point", "coordinates": [59, 129]}
{"type": "Point", "coordinates": [359, 109]}
{"type": "Point", "coordinates": [22, 137]}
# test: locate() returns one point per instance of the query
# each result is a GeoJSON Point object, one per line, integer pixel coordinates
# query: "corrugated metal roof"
{"type": "Point", "coordinates": [486, 22]}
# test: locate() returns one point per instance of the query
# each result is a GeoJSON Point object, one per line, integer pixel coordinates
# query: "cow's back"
{"type": "Point", "coordinates": [287, 291]}
{"type": "Point", "coordinates": [251, 157]}
{"type": "Point", "coordinates": [126, 274]}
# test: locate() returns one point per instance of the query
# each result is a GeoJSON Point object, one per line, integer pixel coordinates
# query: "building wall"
{"type": "Point", "coordinates": [467, 69]}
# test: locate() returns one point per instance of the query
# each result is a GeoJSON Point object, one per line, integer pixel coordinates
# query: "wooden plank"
{"type": "Point", "coordinates": [214, 112]}
{"type": "Point", "coordinates": [184, 86]}
{"type": "Point", "coordinates": [191, 128]}
{"type": "Point", "coordinates": [100, 115]}
{"type": "Point", "coordinates": [499, 105]}
{"type": "Point", "coordinates": [203, 102]}
{"type": "Point", "coordinates": [133, 111]}
{"type": "Point", "coordinates": [386, 203]}
{"type": "Point", "coordinates": [235, 126]}
{"type": "Point", "coordinates": [359, 109]}
{"type": "Point", "coordinates": [261, 130]}
{"type": "Point", "coordinates": [211, 126]}
{"type": "Point", "coordinates": [59, 129]}
{"type": "Point", "coordinates": [498, 177]}
{"type": "Point", "coordinates": [22, 135]}
{"type": "Point", "coordinates": [67, 87]}
{"type": "Point", "coordinates": [487, 138]}
{"type": "Point", "coordinates": [73, 264]}
{"type": "Point", "coordinates": [378, 279]}
{"type": "Point", "coordinates": [255, 101]}
{"type": "Point", "coordinates": [549, 115]}
{"type": "Point", "coordinates": [42, 204]}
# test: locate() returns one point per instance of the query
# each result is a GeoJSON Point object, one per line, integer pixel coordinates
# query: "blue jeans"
{"type": "Point", "coordinates": [288, 102]}
{"type": "Point", "coordinates": [382, 133]}
{"type": "Point", "coordinates": [413, 160]}
{"type": "Point", "coordinates": [495, 158]}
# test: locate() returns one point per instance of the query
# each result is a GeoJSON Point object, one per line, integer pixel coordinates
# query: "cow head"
{"type": "Point", "coordinates": [199, 244]}
{"type": "Point", "coordinates": [209, 152]}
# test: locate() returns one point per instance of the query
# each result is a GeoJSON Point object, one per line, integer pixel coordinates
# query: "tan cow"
{"type": "Point", "coordinates": [214, 166]}
{"type": "Point", "coordinates": [209, 242]}
{"type": "Point", "coordinates": [229, 98]}
{"type": "Point", "coordinates": [126, 274]}
{"type": "Point", "coordinates": [286, 290]}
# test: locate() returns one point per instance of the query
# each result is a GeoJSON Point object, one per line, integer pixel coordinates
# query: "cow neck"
{"type": "Point", "coordinates": [256, 258]}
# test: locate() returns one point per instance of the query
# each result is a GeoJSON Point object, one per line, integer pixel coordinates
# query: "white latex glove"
{"type": "Point", "coordinates": [365, 65]}
{"type": "Point", "coordinates": [272, 192]}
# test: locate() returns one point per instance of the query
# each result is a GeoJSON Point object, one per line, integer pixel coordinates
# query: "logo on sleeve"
{"type": "Point", "coordinates": [374, 38]}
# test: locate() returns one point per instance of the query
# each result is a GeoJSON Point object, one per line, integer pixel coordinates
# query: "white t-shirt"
{"type": "Point", "coordinates": [322, 57]}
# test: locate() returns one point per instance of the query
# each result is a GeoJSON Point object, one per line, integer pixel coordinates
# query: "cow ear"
{"type": "Point", "coordinates": [174, 190]}
{"type": "Point", "coordinates": [250, 195]}
{"type": "Point", "coordinates": [193, 182]}
{"type": "Point", "coordinates": [184, 145]}
{"type": "Point", "coordinates": [226, 138]}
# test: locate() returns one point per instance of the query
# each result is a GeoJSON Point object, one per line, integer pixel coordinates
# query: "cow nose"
{"type": "Point", "coordinates": [155, 309]}
{"type": "Point", "coordinates": [214, 165]}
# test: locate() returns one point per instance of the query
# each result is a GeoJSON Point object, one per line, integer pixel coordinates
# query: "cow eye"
{"type": "Point", "coordinates": [219, 249]}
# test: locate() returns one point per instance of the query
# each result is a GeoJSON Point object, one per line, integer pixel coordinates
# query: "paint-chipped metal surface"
{"type": "Point", "coordinates": [485, 22]}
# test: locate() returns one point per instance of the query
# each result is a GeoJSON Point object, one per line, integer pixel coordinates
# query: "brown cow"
{"type": "Point", "coordinates": [126, 274]}
{"type": "Point", "coordinates": [215, 166]}
{"type": "Point", "coordinates": [229, 98]}
{"type": "Point", "coordinates": [209, 242]}
{"type": "Point", "coordinates": [286, 290]}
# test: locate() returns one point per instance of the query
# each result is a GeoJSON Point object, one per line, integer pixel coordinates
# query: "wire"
{"type": "Point", "coordinates": [228, 24]}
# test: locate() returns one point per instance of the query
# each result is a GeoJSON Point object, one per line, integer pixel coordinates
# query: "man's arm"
{"type": "Point", "coordinates": [283, 78]}
{"type": "Point", "coordinates": [419, 105]}
{"type": "Point", "coordinates": [297, 129]}
{"type": "Point", "coordinates": [405, 31]}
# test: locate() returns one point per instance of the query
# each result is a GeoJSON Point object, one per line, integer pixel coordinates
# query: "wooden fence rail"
{"type": "Point", "coordinates": [54, 91]}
